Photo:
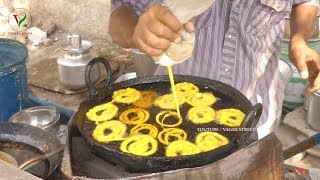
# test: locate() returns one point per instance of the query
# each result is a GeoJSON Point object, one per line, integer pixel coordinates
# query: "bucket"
{"type": "Point", "coordinates": [13, 78]}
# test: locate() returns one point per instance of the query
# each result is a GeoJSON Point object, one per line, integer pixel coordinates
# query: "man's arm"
{"type": "Point", "coordinates": [302, 56]}
{"type": "Point", "coordinates": [121, 26]}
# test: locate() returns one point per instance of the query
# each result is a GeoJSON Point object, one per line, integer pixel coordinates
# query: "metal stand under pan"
{"type": "Point", "coordinates": [252, 162]}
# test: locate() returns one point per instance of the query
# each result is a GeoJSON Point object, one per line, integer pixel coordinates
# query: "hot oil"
{"type": "Point", "coordinates": [191, 129]}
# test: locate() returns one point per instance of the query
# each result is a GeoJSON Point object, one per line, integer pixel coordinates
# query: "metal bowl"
{"type": "Point", "coordinates": [45, 117]}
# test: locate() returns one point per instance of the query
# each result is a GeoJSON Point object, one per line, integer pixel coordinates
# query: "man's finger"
{"type": "Point", "coordinates": [147, 49]}
{"type": "Point", "coordinates": [189, 26]}
{"type": "Point", "coordinates": [167, 18]}
{"type": "Point", "coordinates": [302, 68]}
{"type": "Point", "coordinates": [153, 41]}
{"type": "Point", "coordinates": [162, 31]}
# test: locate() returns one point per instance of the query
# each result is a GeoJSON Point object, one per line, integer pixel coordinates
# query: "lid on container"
{"type": "Point", "coordinates": [13, 55]}
{"type": "Point", "coordinates": [76, 44]}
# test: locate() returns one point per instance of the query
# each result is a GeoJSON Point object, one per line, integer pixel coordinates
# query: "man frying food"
{"type": "Point", "coordinates": [238, 42]}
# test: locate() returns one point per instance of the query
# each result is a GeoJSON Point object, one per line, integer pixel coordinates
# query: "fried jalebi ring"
{"type": "Point", "coordinates": [171, 134]}
{"type": "Point", "coordinates": [126, 96]}
{"type": "Point", "coordinates": [201, 115]}
{"type": "Point", "coordinates": [117, 128]}
{"type": "Point", "coordinates": [167, 101]}
{"type": "Point", "coordinates": [138, 129]}
{"type": "Point", "coordinates": [207, 141]}
{"type": "Point", "coordinates": [186, 89]}
{"type": "Point", "coordinates": [230, 117]}
{"type": "Point", "coordinates": [181, 148]}
{"type": "Point", "coordinates": [201, 99]}
{"type": "Point", "coordinates": [134, 116]}
{"type": "Point", "coordinates": [146, 100]}
{"type": "Point", "coordinates": [140, 145]}
{"type": "Point", "coordinates": [108, 111]}
{"type": "Point", "coordinates": [164, 115]}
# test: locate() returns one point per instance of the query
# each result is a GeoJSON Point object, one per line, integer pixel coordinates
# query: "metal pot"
{"type": "Point", "coordinates": [45, 117]}
{"type": "Point", "coordinates": [73, 63]}
{"type": "Point", "coordinates": [313, 105]}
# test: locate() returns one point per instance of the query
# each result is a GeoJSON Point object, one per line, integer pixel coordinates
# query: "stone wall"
{"type": "Point", "coordinates": [89, 18]}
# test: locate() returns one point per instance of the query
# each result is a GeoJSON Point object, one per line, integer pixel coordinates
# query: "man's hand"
{"type": "Point", "coordinates": [156, 29]}
{"type": "Point", "coordinates": [307, 62]}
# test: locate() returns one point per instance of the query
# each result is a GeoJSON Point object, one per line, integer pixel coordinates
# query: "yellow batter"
{"type": "Point", "coordinates": [171, 134]}
{"type": "Point", "coordinates": [140, 145]}
{"type": "Point", "coordinates": [230, 117]}
{"type": "Point", "coordinates": [134, 116]}
{"type": "Point", "coordinates": [201, 99]}
{"type": "Point", "coordinates": [167, 101]}
{"type": "Point", "coordinates": [201, 115]}
{"type": "Point", "coordinates": [117, 128]}
{"type": "Point", "coordinates": [207, 141]}
{"type": "Point", "coordinates": [126, 96]}
{"type": "Point", "coordinates": [187, 89]}
{"type": "Point", "coordinates": [107, 111]}
{"type": "Point", "coordinates": [181, 148]}
{"type": "Point", "coordinates": [176, 99]}
{"type": "Point", "coordinates": [146, 100]}
{"type": "Point", "coordinates": [162, 116]}
{"type": "Point", "coordinates": [152, 130]}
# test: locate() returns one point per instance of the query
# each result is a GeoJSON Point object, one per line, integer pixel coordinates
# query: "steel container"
{"type": "Point", "coordinates": [13, 78]}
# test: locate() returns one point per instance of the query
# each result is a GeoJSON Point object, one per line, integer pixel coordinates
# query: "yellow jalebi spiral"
{"type": "Point", "coordinates": [146, 100]}
{"type": "Point", "coordinates": [108, 111]}
{"type": "Point", "coordinates": [186, 89]}
{"type": "Point", "coordinates": [171, 134]}
{"type": "Point", "coordinates": [117, 128]}
{"type": "Point", "coordinates": [207, 141]}
{"type": "Point", "coordinates": [134, 116]}
{"type": "Point", "coordinates": [201, 99]}
{"type": "Point", "coordinates": [230, 117]}
{"type": "Point", "coordinates": [140, 145]}
{"type": "Point", "coordinates": [126, 96]}
{"type": "Point", "coordinates": [201, 115]}
{"type": "Point", "coordinates": [181, 148]}
{"type": "Point", "coordinates": [167, 101]}
{"type": "Point", "coordinates": [164, 115]}
{"type": "Point", "coordinates": [138, 129]}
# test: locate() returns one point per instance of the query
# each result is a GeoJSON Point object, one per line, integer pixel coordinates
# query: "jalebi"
{"type": "Point", "coordinates": [186, 89]}
{"type": "Point", "coordinates": [164, 115]}
{"type": "Point", "coordinates": [201, 99]}
{"type": "Point", "coordinates": [167, 101]}
{"type": "Point", "coordinates": [146, 100]}
{"type": "Point", "coordinates": [201, 115]}
{"type": "Point", "coordinates": [207, 141]}
{"type": "Point", "coordinates": [181, 148]}
{"type": "Point", "coordinates": [134, 116]}
{"type": "Point", "coordinates": [117, 128]}
{"type": "Point", "coordinates": [107, 111]}
{"type": "Point", "coordinates": [142, 128]}
{"type": "Point", "coordinates": [126, 96]}
{"type": "Point", "coordinates": [140, 145]}
{"type": "Point", "coordinates": [171, 134]}
{"type": "Point", "coordinates": [230, 117]}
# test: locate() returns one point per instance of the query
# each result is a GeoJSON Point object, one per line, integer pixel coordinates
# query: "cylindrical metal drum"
{"type": "Point", "coordinates": [13, 78]}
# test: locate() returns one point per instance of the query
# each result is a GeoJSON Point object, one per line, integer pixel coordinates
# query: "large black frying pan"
{"type": "Point", "coordinates": [230, 98]}
{"type": "Point", "coordinates": [23, 138]}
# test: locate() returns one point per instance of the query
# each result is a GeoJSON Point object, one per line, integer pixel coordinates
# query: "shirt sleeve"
{"type": "Point", "coordinates": [140, 6]}
{"type": "Point", "coordinates": [307, 2]}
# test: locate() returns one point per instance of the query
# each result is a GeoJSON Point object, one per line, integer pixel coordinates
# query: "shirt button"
{"type": "Point", "coordinates": [229, 36]}
{"type": "Point", "coordinates": [226, 69]}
